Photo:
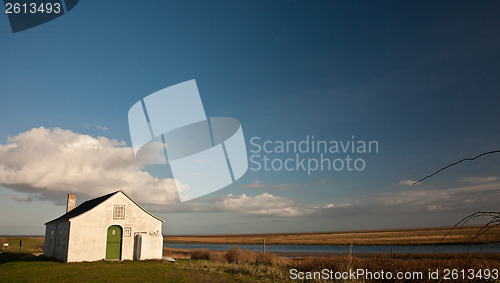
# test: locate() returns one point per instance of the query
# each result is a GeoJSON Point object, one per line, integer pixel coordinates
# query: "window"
{"type": "Point", "coordinates": [119, 212]}
{"type": "Point", "coordinates": [127, 232]}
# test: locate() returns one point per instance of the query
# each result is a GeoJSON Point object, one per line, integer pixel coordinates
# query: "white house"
{"type": "Point", "coordinates": [112, 227]}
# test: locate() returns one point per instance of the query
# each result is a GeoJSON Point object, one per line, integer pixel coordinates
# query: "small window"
{"type": "Point", "coordinates": [128, 231]}
{"type": "Point", "coordinates": [119, 212]}
{"type": "Point", "coordinates": [51, 234]}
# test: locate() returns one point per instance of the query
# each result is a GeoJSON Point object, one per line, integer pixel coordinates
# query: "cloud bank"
{"type": "Point", "coordinates": [53, 162]}
{"type": "Point", "coordinates": [479, 180]}
{"type": "Point", "coordinates": [49, 163]}
{"type": "Point", "coordinates": [265, 204]}
{"type": "Point", "coordinates": [460, 200]}
{"type": "Point", "coordinates": [283, 187]}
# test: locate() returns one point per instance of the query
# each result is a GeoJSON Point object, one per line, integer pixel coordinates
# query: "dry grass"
{"type": "Point", "coordinates": [382, 237]}
{"type": "Point", "coordinates": [238, 256]}
{"type": "Point", "coordinates": [266, 266]}
{"type": "Point", "coordinates": [269, 266]}
{"type": "Point", "coordinates": [394, 265]}
{"type": "Point", "coordinates": [262, 272]}
{"type": "Point", "coordinates": [218, 256]}
{"type": "Point", "coordinates": [200, 254]}
{"type": "Point", "coordinates": [271, 259]}
{"type": "Point", "coordinates": [234, 255]}
{"type": "Point", "coordinates": [177, 253]}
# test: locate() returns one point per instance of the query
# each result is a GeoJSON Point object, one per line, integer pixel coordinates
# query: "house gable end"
{"type": "Point", "coordinates": [91, 204]}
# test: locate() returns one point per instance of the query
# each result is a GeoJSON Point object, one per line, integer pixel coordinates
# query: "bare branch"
{"type": "Point", "coordinates": [468, 218]}
{"type": "Point", "coordinates": [453, 164]}
{"type": "Point", "coordinates": [494, 215]}
{"type": "Point", "coordinates": [494, 222]}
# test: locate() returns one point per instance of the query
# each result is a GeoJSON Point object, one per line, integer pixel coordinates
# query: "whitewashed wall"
{"type": "Point", "coordinates": [88, 234]}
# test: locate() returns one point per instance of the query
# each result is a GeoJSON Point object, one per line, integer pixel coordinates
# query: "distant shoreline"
{"type": "Point", "coordinates": [397, 244]}
{"type": "Point", "coordinates": [423, 236]}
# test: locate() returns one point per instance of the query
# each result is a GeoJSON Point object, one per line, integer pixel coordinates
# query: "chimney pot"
{"type": "Point", "coordinates": [71, 202]}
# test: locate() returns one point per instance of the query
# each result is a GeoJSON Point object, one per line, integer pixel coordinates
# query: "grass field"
{"type": "Point", "coordinates": [249, 266]}
{"type": "Point", "coordinates": [213, 266]}
{"type": "Point", "coordinates": [36, 269]}
{"type": "Point", "coordinates": [29, 244]}
{"type": "Point", "coordinates": [382, 237]}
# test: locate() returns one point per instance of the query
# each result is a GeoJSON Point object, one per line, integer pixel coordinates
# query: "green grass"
{"type": "Point", "coordinates": [38, 269]}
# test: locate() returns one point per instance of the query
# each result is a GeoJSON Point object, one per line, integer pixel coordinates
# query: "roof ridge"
{"type": "Point", "coordinates": [91, 203]}
{"type": "Point", "coordinates": [82, 208]}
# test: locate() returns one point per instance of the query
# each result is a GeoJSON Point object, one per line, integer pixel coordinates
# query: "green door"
{"type": "Point", "coordinates": [114, 243]}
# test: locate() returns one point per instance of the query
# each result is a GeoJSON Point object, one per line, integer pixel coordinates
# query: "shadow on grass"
{"type": "Point", "coordinates": [7, 257]}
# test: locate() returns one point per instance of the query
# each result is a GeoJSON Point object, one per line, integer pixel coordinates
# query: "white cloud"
{"type": "Point", "coordinates": [49, 163]}
{"type": "Point", "coordinates": [440, 199]}
{"type": "Point", "coordinates": [265, 204]}
{"type": "Point", "coordinates": [406, 183]}
{"type": "Point", "coordinates": [283, 187]}
{"type": "Point", "coordinates": [53, 162]}
{"type": "Point", "coordinates": [22, 198]}
{"type": "Point", "coordinates": [262, 204]}
{"type": "Point", "coordinates": [104, 128]}
{"type": "Point", "coordinates": [462, 200]}
{"type": "Point", "coordinates": [255, 184]}
{"type": "Point", "coordinates": [479, 180]}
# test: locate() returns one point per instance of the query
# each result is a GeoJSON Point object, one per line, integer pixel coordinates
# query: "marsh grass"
{"type": "Point", "coordinates": [268, 266]}
{"type": "Point", "coordinates": [200, 254]}
{"type": "Point", "coordinates": [250, 266]}
{"type": "Point", "coordinates": [394, 265]}
{"type": "Point", "coordinates": [427, 236]}
{"type": "Point", "coordinates": [236, 255]}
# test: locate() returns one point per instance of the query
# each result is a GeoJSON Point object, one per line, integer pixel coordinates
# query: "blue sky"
{"type": "Point", "coordinates": [421, 78]}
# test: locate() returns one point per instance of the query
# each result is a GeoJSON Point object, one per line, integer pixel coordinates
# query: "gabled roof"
{"type": "Point", "coordinates": [140, 206]}
{"type": "Point", "coordinates": [88, 205]}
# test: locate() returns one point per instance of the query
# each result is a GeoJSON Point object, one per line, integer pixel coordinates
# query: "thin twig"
{"type": "Point", "coordinates": [467, 218]}
{"type": "Point", "coordinates": [453, 164]}
{"type": "Point", "coordinates": [494, 222]}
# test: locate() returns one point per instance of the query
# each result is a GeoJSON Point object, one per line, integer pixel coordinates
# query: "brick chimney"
{"type": "Point", "coordinates": [71, 202]}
